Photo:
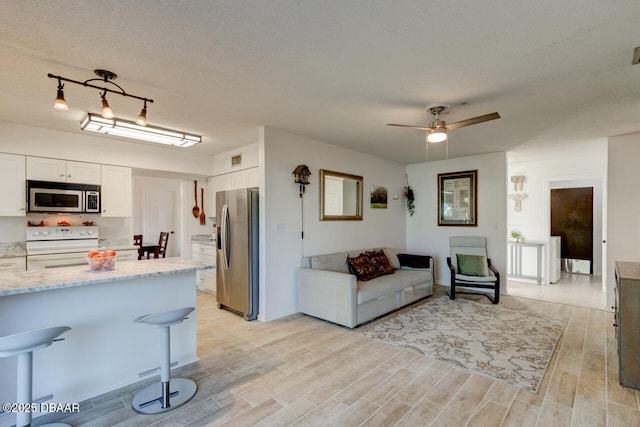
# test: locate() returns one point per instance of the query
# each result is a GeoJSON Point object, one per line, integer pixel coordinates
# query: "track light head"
{"type": "Point", "coordinates": [60, 103]}
{"type": "Point", "coordinates": [142, 117]}
{"type": "Point", "coordinates": [107, 112]}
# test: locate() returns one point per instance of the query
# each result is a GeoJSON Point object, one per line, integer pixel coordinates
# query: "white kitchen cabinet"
{"type": "Point", "coordinates": [58, 170]}
{"type": "Point", "coordinates": [12, 191]}
{"type": "Point", "coordinates": [246, 178]}
{"type": "Point", "coordinates": [13, 264]}
{"type": "Point", "coordinates": [116, 191]}
{"type": "Point", "coordinates": [205, 279]}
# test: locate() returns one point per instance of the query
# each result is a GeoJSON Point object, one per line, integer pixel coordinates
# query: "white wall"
{"type": "Point", "coordinates": [424, 236]}
{"type": "Point", "coordinates": [283, 151]}
{"type": "Point", "coordinates": [623, 227]}
{"type": "Point", "coordinates": [565, 166]}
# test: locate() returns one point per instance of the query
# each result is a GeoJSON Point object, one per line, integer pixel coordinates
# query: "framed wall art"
{"type": "Point", "coordinates": [458, 198]}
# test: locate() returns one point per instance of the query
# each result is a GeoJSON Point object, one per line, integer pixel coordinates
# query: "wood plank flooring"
{"type": "Point", "coordinates": [301, 371]}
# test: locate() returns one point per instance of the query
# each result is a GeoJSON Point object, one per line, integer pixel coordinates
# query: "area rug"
{"type": "Point", "coordinates": [509, 345]}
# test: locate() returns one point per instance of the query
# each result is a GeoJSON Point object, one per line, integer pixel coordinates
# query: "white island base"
{"type": "Point", "coordinates": [104, 349]}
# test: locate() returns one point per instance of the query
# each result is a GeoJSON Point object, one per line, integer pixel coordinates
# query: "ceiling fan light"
{"type": "Point", "coordinates": [438, 134]}
{"type": "Point", "coordinates": [107, 112]}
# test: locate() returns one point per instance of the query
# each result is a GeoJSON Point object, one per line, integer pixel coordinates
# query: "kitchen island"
{"type": "Point", "coordinates": [104, 349]}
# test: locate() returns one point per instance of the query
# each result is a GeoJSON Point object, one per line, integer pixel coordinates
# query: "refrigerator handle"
{"type": "Point", "coordinates": [225, 236]}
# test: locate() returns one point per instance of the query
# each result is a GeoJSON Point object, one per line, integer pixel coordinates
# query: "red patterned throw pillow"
{"type": "Point", "coordinates": [380, 260]}
{"type": "Point", "coordinates": [363, 268]}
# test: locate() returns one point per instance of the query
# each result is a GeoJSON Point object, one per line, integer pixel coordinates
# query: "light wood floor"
{"type": "Point", "coordinates": [576, 289]}
{"type": "Point", "coordinates": [302, 371]}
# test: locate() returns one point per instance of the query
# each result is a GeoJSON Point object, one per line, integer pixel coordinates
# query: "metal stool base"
{"type": "Point", "coordinates": [149, 399]}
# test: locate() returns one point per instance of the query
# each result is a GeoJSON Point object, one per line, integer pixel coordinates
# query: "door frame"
{"type": "Point", "coordinates": [599, 183]}
{"type": "Point", "coordinates": [144, 182]}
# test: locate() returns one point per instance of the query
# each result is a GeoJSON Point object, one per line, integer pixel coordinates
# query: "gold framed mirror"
{"type": "Point", "coordinates": [340, 196]}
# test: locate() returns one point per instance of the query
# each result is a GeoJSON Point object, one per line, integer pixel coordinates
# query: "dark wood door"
{"type": "Point", "coordinates": [572, 219]}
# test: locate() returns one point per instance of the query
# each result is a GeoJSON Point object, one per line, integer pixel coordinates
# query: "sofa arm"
{"type": "Point", "coordinates": [329, 295]}
{"type": "Point", "coordinates": [416, 261]}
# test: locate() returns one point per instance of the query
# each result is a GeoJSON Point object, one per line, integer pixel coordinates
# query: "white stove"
{"type": "Point", "coordinates": [62, 246]}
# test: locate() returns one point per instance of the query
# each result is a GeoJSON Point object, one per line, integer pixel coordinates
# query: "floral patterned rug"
{"type": "Point", "coordinates": [509, 345]}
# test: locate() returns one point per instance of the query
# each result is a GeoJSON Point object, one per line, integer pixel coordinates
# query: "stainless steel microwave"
{"type": "Point", "coordinates": [45, 196]}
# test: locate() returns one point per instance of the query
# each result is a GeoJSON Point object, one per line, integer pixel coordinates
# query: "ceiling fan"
{"type": "Point", "coordinates": [437, 129]}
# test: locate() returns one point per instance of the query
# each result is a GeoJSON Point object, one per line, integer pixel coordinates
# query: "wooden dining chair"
{"type": "Point", "coordinates": [162, 242]}
{"type": "Point", "coordinates": [137, 241]}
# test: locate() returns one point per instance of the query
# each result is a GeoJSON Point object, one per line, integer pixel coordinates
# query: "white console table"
{"type": "Point", "coordinates": [515, 264]}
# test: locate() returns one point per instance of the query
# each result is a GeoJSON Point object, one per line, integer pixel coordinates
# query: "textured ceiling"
{"type": "Point", "coordinates": [333, 70]}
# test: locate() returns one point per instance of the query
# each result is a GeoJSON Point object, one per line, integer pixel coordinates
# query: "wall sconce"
{"type": "Point", "coordinates": [518, 182]}
{"type": "Point", "coordinates": [301, 174]}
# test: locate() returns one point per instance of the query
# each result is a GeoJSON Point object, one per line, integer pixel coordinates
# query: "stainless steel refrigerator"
{"type": "Point", "coordinates": [237, 259]}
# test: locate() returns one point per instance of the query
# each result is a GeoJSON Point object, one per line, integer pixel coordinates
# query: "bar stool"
{"type": "Point", "coordinates": [23, 345]}
{"type": "Point", "coordinates": [169, 393]}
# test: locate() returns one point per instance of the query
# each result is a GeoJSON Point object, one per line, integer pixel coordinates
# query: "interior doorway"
{"type": "Point", "coordinates": [158, 215]}
{"type": "Point", "coordinates": [156, 209]}
{"type": "Point", "coordinates": [596, 187]}
{"type": "Point", "coordinates": [572, 220]}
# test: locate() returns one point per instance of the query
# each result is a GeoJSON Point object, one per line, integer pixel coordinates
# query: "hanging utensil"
{"type": "Point", "coordinates": [203, 218]}
{"type": "Point", "coordinates": [196, 209]}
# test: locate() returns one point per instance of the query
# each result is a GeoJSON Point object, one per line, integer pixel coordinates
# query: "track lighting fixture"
{"type": "Point", "coordinates": [110, 125]}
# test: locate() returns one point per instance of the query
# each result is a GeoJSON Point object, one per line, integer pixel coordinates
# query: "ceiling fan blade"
{"type": "Point", "coordinates": [408, 126]}
{"type": "Point", "coordinates": [472, 121]}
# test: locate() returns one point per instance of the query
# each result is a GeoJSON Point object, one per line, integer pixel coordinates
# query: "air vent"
{"type": "Point", "coordinates": [236, 160]}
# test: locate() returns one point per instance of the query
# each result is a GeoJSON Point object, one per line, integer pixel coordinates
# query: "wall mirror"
{"type": "Point", "coordinates": [340, 196]}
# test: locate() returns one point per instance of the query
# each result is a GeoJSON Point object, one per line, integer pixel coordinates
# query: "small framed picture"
{"type": "Point", "coordinates": [458, 198]}
{"type": "Point", "coordinates": [378, 197]}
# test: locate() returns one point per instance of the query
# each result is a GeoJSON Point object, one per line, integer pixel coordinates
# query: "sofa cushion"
{"type": "Point", "coordinates": [471, 265]}
{"type": "Point", "coordinates": [392, 255]}
{"type": "Point", "coordinates": [391, 283]}
{"type": "Point", "coordinates": [333, 262]}
{"type": "Point", "coordinates": [380, 260]}
{"type": "Point", "coordinates": [363, 268]}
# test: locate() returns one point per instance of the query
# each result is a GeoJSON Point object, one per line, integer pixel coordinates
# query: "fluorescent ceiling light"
{"type": "Point", "coordinates": [129, 129]}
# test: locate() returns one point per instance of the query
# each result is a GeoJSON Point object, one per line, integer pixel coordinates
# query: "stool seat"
{"type": "Point", "coordinates": [24, 342]}
{"type": "Point", "coordinates": [169, 393]}
{"type": "Point", "coordinates": [166, 318]}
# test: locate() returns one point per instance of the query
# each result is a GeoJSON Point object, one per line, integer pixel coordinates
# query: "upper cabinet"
{"type": "Point", "coordinates": [57, 170]}
{"type": "Point", "coordinates": [12, 190]}
{"type": "Point", "coordinates": [116, 191]}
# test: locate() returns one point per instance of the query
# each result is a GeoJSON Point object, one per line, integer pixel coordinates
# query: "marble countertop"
{"type": "Point", "coordinates": [66, 277]}
{"type": "Point", "coordinates": [13, 249]}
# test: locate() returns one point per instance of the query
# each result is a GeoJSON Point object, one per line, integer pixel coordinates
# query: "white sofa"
{"type": "Point", "coordinates": [327, 290]}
